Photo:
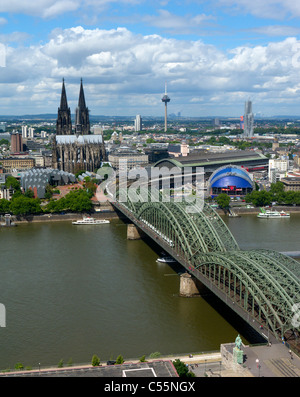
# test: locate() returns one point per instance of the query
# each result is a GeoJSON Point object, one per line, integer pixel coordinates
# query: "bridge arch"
{"type": "Point", "coordinates": [255, 282]}
{"type": "Point", "coordinates": [264, 284]}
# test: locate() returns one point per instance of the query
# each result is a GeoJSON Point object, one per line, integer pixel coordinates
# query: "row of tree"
{"type": "Point", "coordinates": [275, 194]}
{"type": "Point", "coordinates": [261, 198]}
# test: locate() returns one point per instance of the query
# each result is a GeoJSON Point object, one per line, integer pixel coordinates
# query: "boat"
{"type": "Point", "coordinates": [233, 214]}
{"type": "Point", "coordinates": [166, 259]}
{"type": "Point", "coordinates": [88, 220]}
{"type": "Point", "coordinates": [269, 214]}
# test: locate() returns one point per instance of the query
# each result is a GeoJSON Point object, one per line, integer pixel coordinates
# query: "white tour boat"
{"type": "Point", "coordinates": [88, 220]}
{"type": "Point", "coordinates": [268, 214]}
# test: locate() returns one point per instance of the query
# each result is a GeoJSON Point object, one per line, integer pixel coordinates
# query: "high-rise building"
{"type": "Point", "coordinates": [138, 123]}
{"type": "Point", "coordinates": [16, 143]}
{"type": "Point", "coordinates": [24, 131]}
{"type": "Point", "coordinates": [30, 132]}
{"type": "Point", "coordinates": [248, 120]}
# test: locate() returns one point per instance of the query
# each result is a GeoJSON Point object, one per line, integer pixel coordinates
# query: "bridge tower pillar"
{"type": "Point", "coordinates": [133, 232]}
{"type": "Point", "coordinates": [188, 285]}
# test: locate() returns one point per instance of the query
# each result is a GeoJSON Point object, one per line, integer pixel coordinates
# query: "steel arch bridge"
{"type": "Point", "coordinates": [262, 286]}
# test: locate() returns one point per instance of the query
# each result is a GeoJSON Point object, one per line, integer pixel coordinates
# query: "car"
{"type": "Point", "coordinates": [111, 362]}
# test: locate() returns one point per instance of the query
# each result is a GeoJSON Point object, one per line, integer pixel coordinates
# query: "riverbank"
{"type": "Point", "coordinates": [189, 359]}
{"type": "Point", "coordinates": [108, 212]}
{"type": "Point", "coordinates": [274, 361]}
{"type": "Point", "coordinates": [256, 210]}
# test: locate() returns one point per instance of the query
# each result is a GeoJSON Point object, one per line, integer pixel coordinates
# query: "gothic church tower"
{"type": "Point", "coordinates": [63, 123]}
{"type": "Point", "coordinates": [82, 119]}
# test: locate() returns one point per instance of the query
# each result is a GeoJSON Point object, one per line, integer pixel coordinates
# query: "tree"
{"type": "Point", "coordinates": [95, 361]}
{"type": "Point", "coordinates": [29, 193]}
{"type": "Point", "coordinates": [22, 205]}
{"type": "Point", "coordinates": [120, 359]}
{"type": "Point", "coordinates": [48, 192]}
{"type": "Point", "coordinates": [259, 198]}
{"type": "Point", "coordinates": [4, 206]}
{"type": "Point", "coordinates": [182, 369]}
{"type": "Point", "coordinates": [12, 182]}
{"type": "Point", "coordinates": [19, 366]}
{"type": "Point", "coordinates": [223, 200]}
{"type": "Point", "coordinates": [277, 187]}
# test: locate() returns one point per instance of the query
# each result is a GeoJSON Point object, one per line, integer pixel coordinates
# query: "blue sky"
{"type": "Point", "coordinates": [214, 55]}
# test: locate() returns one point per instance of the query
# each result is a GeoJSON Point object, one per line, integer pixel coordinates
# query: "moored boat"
{"type": "Point", "coordinates": [269, 214]}
{"type": "Point", "coordinates": [88, 220]}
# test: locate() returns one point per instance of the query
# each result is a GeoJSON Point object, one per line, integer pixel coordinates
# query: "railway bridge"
{"type": "Point", "coordinates": [261, 286]}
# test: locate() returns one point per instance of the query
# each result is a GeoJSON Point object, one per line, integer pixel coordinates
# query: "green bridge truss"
{"type": "Point", "coordinates": [264, 285]}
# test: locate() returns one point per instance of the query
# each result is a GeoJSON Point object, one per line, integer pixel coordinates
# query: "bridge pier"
{"type": "Point", "coordinates": [188, 285]}
{"type": "Point", "coordinates": [133, 232]}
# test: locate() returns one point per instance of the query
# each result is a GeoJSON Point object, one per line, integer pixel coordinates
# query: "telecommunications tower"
{"type": "Point", "coordinates": [165, 99]}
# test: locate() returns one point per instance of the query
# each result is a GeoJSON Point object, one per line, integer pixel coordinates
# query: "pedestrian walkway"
{"type": "Point", "coordinates": [271, 361]}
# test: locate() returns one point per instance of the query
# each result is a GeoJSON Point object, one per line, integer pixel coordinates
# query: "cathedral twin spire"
{"type": "Point", "coordinates": [64, 123]}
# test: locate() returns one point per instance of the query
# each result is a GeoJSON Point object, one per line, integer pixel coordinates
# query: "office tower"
{"type": "Point", "coordinates": [248, 120]}
{"type": "Point", "coordinates": [30, 132]}
{"type": "Point", "coordinates": [24, 131]}
{"type": "Point", "coordinates": [16, 143]}
{"type": "Point", "coordinates": [165, 99]}
{"type": "Point", "coordinates": [138, 123]}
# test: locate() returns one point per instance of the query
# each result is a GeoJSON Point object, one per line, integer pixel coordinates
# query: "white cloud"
{"type": "Point", "coordinates": [277, 30]}
{"type": "Point", "coordinates": [40, 8]}
{"type": "Point", "coordinates": [125, 71]}
{"type": "Point", "coordinates": [52, 8]}
{"type": "Point", "coordinates": [276, 9]}
{"type": "Point", "coordinates": [177, 24]}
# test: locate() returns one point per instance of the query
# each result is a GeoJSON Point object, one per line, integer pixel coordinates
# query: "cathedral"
{"type": "Point", "coordinates": [76, 149]}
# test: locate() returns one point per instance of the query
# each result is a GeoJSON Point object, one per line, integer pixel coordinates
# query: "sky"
{"type": "Point", "coordinates": [212, 56]}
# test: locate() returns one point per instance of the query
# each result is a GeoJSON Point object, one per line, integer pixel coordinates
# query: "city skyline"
{"type": "Point", "coordinates": [213, 56]}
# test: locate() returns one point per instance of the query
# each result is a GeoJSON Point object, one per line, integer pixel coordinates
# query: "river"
{"type": "Point", "coordinates": [74, 291]}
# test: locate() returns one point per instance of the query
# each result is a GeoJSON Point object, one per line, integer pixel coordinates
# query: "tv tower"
{"type": "Point", "coordinates": [165, 99]}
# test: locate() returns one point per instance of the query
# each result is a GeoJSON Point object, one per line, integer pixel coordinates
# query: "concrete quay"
{"type": "Point", "coordinates": [273, 361]}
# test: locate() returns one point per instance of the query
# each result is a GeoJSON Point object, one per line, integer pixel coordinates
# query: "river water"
{"type": "Point", "coordinates": [74, 291]}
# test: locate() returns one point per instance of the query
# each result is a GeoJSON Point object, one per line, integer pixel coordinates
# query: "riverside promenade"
{"type": "Point", "coordinates": [259, 361]}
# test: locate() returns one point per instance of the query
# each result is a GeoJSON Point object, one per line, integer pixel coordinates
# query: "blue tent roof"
{"type": "Point", "coordinates": [231, 176]}
{"type": "Point", "coordinates": [231, 180]}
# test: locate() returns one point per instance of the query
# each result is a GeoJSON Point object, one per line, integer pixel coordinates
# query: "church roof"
{"type": "Point", "coordinates": [78, 139]}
